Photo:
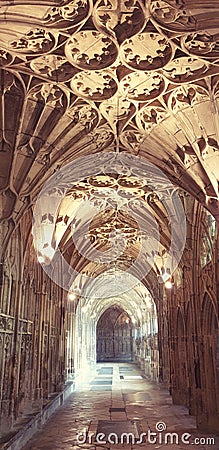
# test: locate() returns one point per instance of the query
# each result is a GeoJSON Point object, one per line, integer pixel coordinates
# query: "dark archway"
{"type": "Point", "coordinates": [209, 361]}
{"type": "Point", "coordinates": [114, 336]}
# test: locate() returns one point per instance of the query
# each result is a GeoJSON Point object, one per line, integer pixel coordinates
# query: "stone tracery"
{"type": "Point", "coordinates": [124, 58]}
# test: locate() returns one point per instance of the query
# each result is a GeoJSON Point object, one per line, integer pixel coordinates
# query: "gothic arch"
{"type": "Point", "coordinates": [210, 354]}
{"type": "Point", "coordinates": [114, 333]}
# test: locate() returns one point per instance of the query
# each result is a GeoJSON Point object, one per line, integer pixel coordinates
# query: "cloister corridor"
{"type": "Point", "coordinates": [109, 215]}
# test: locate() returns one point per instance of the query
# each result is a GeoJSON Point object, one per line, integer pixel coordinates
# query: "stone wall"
{"type": "Point", "coordinates": [192, 316]}
{"type": "Point", "coordinates": [32, 332]}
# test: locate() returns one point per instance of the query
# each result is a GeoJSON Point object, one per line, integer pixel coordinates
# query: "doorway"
{"type": "Point", "coordinates": [115, 335]}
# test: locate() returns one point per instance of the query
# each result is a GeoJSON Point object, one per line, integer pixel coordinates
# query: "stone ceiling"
{"type": "Point", "coordinates": [80, 78]}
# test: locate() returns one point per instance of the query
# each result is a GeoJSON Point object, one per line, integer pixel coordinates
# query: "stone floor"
{"type": "Point", "coordinates": [117, 400]}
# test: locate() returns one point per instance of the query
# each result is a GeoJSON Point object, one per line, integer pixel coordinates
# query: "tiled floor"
{"type": "Point", "coordinates": [115, 401]}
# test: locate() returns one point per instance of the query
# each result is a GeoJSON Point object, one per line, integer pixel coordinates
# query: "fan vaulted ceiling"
{"type": "Point", "coordinates": [80, 78]}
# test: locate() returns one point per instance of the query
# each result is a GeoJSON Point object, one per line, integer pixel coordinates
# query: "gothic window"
{"type": "Point", "coordinates": [208, 238]}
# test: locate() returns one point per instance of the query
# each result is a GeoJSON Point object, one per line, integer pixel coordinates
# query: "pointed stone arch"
{"type": "Point", "coordinates": [209, 363]}
{"type": "Point", "coordinates": [114, 334]}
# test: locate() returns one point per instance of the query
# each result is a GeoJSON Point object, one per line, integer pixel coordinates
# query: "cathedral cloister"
{"type": "Point", "coordinates": [109, 213]}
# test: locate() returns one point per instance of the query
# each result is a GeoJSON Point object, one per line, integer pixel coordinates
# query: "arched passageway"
{"type": "Point", "coordinates": [115, 336]}
{"type": "Point", "coordinates": [114, 328]}
{"type": "Point", "coordinates": [109, 169]}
